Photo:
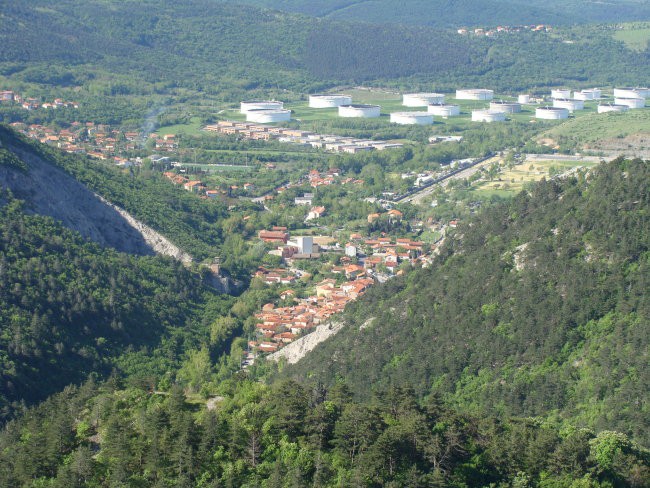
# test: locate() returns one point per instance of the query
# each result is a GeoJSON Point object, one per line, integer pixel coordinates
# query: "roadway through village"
{"type": "Point", "coordinates": [444, 180]}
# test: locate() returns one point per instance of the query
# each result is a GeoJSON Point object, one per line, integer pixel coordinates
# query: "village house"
{"type": "Point", "coordinates": [274, 236]}
{"type": "Point", "coordinates": [315, 213]}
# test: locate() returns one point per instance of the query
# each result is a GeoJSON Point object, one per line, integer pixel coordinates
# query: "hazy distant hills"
{"type": "Point", "coordinates": [449, 13]}
{"type": "Point", "coordinates": [146, 47]}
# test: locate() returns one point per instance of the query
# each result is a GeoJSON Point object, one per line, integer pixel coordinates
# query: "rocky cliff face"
{"type": "Point", "coordinates": [295, 351]}
{"type": "Point", "coordinates": [50, 191]}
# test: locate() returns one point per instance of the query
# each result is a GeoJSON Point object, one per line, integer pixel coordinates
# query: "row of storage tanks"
{"type": "Point", "coordinates": [268, 111]}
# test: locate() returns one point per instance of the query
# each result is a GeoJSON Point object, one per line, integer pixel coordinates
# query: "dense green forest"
{"type": "Point", "coordinates": [69, 308]}
{"type": "Point", "coordinates": [444, 13]}
{"type": "Point", "coordinates": [538, 306]}
{"type": "Point", "coordinates": [288, 435]}
{"type": "Point", "coordinates": [153, 49]}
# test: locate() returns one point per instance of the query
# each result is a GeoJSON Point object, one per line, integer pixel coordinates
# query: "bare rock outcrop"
{"type": "Point", "coordinates": [299, 348]}
{"type": "Point", "coordinates": [48, 190]}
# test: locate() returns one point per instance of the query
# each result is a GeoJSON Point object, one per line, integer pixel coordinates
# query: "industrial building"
{"type": "Point", "coordinates": [329, 101]}
{"type": "Point", "coordinates": [474, 94]}
{"type": "Point", "coordinates": [630, 102]}
{"type": "Point", "coordinates": [411, 118]}
{"type": "Point", "coordinates": [506, 107]}
{"type": "Point", "coordinates": [365, 111]}
{"type": "Point", "coordinates": [569, 103]}
{"type": "Point", "coordinates": [422, 99]}
{"type": "Point", "coordinates": [611, 107]}
{"type": "Point", "coordinates": [562, 93]}
{"type": "Point", "coordinates": [628, 92]}
{"type": "Point", "coordinates": [488, 116]}
{"type": "Point", "coordinates": [268, 116]}
{"type": "Point", "coordinates": [248, 105]}
{"type": "Point", "coordinates": [551, 113]}
{"type": "Point", "coordinates": [443, 110]}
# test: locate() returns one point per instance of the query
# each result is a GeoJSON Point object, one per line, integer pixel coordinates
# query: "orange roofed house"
{"type": "Point", "coordinates": [278, 236]}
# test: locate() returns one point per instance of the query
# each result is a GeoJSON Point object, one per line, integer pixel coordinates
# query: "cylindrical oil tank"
{"type": "Point", "coordinates": [611, 107]}
{"type": "Point", "coordinates": [523, 98]}
{"type": "Point", "coordinates": [488, 116]}
{"type": "Point", "coordinates": [630, 102]}
{"type": "Point", "coordinates": [422, 99]}
{"type": "Point", "coordinates": [443, 110]}
{"type": "Point", "coordinates": [561, 93]}
{"type": "Point", "coordinates": [329, 101]}
{"type": "Point", "coordinates": [506, 107]}
{"type": "Point", "coordinates": [569, 103]}
{"type": "Point", "coordinates": [248, 105]}
{"type": "Point", "coordinates": [411, 118]}
{"type": "Point", "coordinates": [365, 111]}
{"type": "Point", "coordinates": [268, 116]}
{"type": "Point", "coordinates": [551, 113]}
{"type": "Point", "coordinates": [629, 92]}
{"type": "Point", "coordinates": [590, 94]}
{"type": "Point", "coordinates": [474, 94]}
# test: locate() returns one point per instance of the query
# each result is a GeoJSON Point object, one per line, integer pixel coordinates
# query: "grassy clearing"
{"type": "Point", "coordinates": [191, 129]}
{"type": "Point", "coordinates": [636, 36]}
{"type": "Point", "coordinates": [595, 127]}
{"type": "Point", "coordinates": [511, 181]}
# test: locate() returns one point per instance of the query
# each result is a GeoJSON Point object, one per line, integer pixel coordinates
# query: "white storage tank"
{"type": "Point", "coordinates": [591, 94]}
{"type": "Point", "coordinates": [561, 93]}
{"type": "Point", "coordinates": [630, 102]}
{"type": "Point", "coordinates": [411, 118]}
{"type": "Point", "coordinates": [488, 116]}
{"type": "Point", "coordinates": [474, 94]}
{"type": "Point", "coordinates": [365, 111]}
{"type": "Point", "coordinates": [524, 98]}
{"type": "Point", "coordinates": [248, 105]}
{"type": "Point", "coordinates": [611, 107]}
{"type": "Point", "coordinates": [422, 99]}
{"type": "Point", "coordinates": [569, 103]}
{"type": "Point", "coordinates": [443, 110]}
{"type": "Point", "coordinates": [628, 92]}
{"type": "Point", "coordinates": [268, 116]}
{"type": "Point", "coordinates": [329, 101]}
{"type": "Point", "coordinates": [551, 113]}
{"type": "Point", "coordinates": [505, 107]}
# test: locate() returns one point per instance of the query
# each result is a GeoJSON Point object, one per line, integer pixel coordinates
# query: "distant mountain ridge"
{"type": "Point", "coordinates": [228, 50]}
{"type": "Point", "coordinates": [450, 13]}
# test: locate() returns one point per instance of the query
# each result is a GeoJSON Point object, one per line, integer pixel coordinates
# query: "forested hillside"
{"type": "Point", "coordinates": [69, 308]}
{"type": "Point", "coordinates": [445, 13]}
{"type": "Point", "coordinates": [287, 435]}
{"type": "Point", "coordinates": [156, 49]}
{"type": "Point", "coordinates": [192, 224]}
{"type": "Point", "coordinates": [538, 306]}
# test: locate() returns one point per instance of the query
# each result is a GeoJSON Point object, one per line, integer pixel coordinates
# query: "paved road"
{"type": "Point", "coordinates": [466, 173]}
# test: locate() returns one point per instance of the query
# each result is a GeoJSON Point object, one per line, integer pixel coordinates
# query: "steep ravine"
{"type": "Point", "coordinates": [48, 190]}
